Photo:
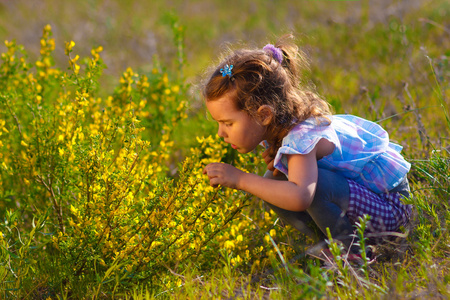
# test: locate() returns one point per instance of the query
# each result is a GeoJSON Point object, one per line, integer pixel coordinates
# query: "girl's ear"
{"type": "Point", "coordinates": [265, 114]}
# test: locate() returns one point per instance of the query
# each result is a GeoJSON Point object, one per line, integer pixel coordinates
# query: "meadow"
{"type": "Point", "coordinates": [104, 136]}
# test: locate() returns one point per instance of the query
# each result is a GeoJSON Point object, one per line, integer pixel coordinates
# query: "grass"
{"type": "Point", "coordinates": [385, 61]}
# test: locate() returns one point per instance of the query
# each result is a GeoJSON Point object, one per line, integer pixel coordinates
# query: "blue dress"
{"type": "Point", "coordinates": [363, 152]}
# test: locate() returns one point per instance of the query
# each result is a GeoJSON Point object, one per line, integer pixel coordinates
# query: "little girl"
{"type": "Point", "coordinates": [322, 169]}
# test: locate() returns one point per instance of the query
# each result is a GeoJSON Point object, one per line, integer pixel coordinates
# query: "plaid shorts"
{"type": "Point", "coordinates": [387, 213]}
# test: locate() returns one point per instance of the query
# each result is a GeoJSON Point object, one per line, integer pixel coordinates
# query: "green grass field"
{"type": "Point", "coordinates": [101, 149]}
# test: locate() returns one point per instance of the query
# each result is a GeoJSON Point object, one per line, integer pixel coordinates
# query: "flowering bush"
{"type": "Point", "coordinates": [86, 180]}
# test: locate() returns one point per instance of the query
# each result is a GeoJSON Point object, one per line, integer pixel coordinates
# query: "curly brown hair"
{"type": "Point", "coordinates": [258, 79]}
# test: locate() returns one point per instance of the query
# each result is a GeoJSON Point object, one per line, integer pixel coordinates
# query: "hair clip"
{"type": "Point", "coordinates": [276, 52]}
{"type": "Point", "coordinates": [226, 70]}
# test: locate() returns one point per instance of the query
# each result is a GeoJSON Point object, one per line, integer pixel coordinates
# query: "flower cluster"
{"type": "Point", "coordinates": [100, 171]}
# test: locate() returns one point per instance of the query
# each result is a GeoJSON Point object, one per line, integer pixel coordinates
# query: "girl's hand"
{"type": "Point", "coordinates": [223, 174]}
{"type": "Point", "coordinates": [268, 159]}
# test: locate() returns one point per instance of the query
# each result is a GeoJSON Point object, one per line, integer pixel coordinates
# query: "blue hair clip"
{"type": "Point", "coordinates": [226, 70]}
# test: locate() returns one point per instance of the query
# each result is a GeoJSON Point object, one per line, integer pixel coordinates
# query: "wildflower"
{"type": "Point", "coordinates": [176, 89]}
{"type": "Point", "coordinates": [73, 209]}
{"type": "Point", "coordinates": [69, 46]}
{"type": "Point", "coordinates": [236, 260]}
{"type": "Point", "coordinates": [272, 233]}
{"type": "Point", "coordinates": [165, 78]}
{"type": "Point", "coordinates": [229, 245]}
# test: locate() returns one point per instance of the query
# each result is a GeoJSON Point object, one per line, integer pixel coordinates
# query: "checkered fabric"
{"type": "Point", "coordinates": [362, 152]}
{"type": "Point", "coordinates": [387, 212]}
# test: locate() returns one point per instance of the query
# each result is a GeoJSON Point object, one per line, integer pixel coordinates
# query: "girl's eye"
{"type": "Point", "coordinates": [228, 124]}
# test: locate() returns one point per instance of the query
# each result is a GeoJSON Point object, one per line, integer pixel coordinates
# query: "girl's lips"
{"type": "Point", "coordinates": [233, 146]}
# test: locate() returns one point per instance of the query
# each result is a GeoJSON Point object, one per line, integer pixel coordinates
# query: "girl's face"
{"type": "Point", "coordinates": [236, 127]}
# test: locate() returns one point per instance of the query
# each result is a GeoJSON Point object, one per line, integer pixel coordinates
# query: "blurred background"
{"type": "Point", "coordinates": [132, 32]}
{"type": "Point", "coordinates": [368, 57]}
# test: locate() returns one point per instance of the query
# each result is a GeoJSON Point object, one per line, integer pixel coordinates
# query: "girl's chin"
{"type": "Point", "coordinates": [242, 151]}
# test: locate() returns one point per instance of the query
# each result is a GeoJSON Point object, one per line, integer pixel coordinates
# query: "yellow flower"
{"type": "Point", "coordinates": [73, 209]}
{"type": "Point", "coordinates": [229, 245]}
{"type": "Point", "coordinates": [69, 46]}
{"type": "Point", "coordinates": [272, 233]}
{"type": "Point", "coordinates": [175, 89]}
{"type": "Point", "coordinates": [236, 260]}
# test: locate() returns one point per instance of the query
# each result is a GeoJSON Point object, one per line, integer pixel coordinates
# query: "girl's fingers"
{"type": "Point", "coordinates": [214, 182]}
{"type": "Point", "coordinates": [210, 168]}
{"type": "Point", "coordinates": [267, 158]}
{"type": "Point", "coordinates": [222, 174]}
{"type": "Point", "coordinates": [213, 171]}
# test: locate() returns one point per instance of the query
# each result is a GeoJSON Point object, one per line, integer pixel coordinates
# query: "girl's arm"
{"type": "Point", "coordinates": [295, 194]}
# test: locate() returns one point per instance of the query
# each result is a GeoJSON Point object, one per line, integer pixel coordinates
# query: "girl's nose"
{"type": "Point", "coordinates": [220, 132]}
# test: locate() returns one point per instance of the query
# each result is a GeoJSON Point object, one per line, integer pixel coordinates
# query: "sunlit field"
{"type": "Point", "coordinates": [104, 136]}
